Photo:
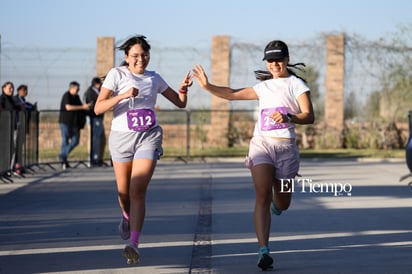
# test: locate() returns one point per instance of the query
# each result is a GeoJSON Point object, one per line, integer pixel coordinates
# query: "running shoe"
{"type": "Point", "coordinates": [274, 210]}
{"type": "Point", "coordinates": [65, 165]}
{"type": "Point", "coordinates": [265, 262]}
{"type": "Point", "coordinates": [124, 229]}
{"type": "Point", "coordinates": [131, 253]}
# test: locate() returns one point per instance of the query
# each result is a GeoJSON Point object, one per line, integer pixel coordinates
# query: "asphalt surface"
{"type": "Point", "coordinates": [347, 216]}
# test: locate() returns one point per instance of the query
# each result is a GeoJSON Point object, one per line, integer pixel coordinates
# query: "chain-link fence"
{"type": "Point", "coordinates": [48, 72]}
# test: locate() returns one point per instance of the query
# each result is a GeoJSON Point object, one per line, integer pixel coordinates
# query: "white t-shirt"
{"type": "Point", "coordinates": [121, 79]}
{"type": "Point", "coordinates": [278, 94]}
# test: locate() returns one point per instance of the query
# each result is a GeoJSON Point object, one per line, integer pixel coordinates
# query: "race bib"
{"type": "Point", "coordinates": [140, 119]}
{"type": "Point", "coordinates": [266, 123]}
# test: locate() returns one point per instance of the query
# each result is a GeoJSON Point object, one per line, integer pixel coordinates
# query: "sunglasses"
{"type": "Point", "coordinates": [275, 60]}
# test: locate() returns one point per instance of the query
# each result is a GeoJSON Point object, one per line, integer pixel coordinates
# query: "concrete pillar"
{"type": "Point", "coordinates": [220, 75]}
{"type": "Point", "coordinates": [104, 62]}
{"type": "Point", "coordinates": [104, 55]}
{"type": "Point", "coordinates": [335, 69]}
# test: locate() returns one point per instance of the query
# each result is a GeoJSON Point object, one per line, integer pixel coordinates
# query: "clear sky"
{"type": "Point", "coordinates": [77, 23]}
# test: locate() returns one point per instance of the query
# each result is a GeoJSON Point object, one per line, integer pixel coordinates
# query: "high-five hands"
{"type": "Point", "coordinates": [187, 82]}
{"type": "Point", "coordinates": [200, 75]}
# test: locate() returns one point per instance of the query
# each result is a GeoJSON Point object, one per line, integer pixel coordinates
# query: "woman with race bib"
{"type": "Point", "coordinates": [135, 140]}
{"type": "Point", "coordinates": [284, 100]}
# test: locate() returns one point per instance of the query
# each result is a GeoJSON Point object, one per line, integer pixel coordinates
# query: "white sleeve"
{"type": "Point", "coordinates": [111, 80]}
{"type": "Point", "coordinates": [161, 84]}
{"type": "Point", "coordinates": [300, 87]}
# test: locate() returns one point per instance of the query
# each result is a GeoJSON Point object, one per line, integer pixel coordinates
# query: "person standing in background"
{"type": "Point", "coordinates": [7, 103]}
{"type": "Point", "coordinates": [6, 98]}
{"type": "Point", "coordinates": [96, 123]}
{"type": "Point", "coordinates": [71, 120]}
{"type": "Point", "coordinates": [20, 98]}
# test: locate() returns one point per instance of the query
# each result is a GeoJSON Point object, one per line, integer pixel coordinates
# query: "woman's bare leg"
{"type": "Point", "coordinates": [263, 180]}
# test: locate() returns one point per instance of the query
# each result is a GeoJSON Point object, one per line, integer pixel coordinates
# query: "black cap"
{"type": "Point", "coordinates": [276, 50]}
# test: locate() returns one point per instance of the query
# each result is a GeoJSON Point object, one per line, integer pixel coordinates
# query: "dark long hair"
{"type": "Point", "coordinates": [5, 84]}
{"type": "Point", "coordinates": [129, 43]}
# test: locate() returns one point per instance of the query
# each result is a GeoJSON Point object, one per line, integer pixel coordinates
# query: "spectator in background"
{"type": "Point", "coordinates": [7, 103]}
{"type": "Point", "coordinates": [6, 98]}
{"type": "Point", "coordinates": [20, 98]}
{"type": "Point", "coordinates": [96, 123]}
{"type": "Point", "coordinates": [72, 118]}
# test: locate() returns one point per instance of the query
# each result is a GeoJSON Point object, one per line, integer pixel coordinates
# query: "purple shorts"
{"type": "Point", "coordinates": [282, 154]}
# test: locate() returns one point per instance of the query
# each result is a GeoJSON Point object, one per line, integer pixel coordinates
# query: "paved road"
{"type": "Point", "coordinates": [199, 220]}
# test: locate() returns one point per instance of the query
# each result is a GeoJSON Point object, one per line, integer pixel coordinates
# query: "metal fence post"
{"type": "Point", "coordinates": [408, 152]}
{"type": "Point", "coordinates": [188, 113]}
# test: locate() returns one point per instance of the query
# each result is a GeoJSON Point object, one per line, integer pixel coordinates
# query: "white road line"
{"type": "Point", "coordinates": [226, 241]}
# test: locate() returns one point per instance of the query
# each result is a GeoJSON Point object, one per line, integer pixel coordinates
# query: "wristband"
{"type": "Point", "coordinates": [182, 91]}
{"type": "Point", "coordinates": [289, 117]}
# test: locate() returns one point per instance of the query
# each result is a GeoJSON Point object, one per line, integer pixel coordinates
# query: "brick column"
{"type": "Point", "coordinates": [335, 69]}
{"type": "Point", "coordinates": [104, 62]}
{"type": "Point", "coordinates": [220, 74]}
{"type": "Point", "coordinates": [104, 55]}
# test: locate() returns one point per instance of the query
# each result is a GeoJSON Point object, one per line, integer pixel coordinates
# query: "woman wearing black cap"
{"type": "Point", "coordinates": [284, 100]}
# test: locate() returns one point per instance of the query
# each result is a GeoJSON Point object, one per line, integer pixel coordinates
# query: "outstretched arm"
{"type": "Point", "coordinates": [77, 107]}
{"type": "Point", "coordinates": [222, 92]}
{"type": "Point", "coordinates": [179, 99]}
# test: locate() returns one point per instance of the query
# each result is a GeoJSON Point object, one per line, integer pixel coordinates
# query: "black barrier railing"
{"type": "Point", "coordinates": [36, 139]}
{"type": "Point", "coordinates": [6, 139]}
{"type": "Point", "coordinates": [186, 133]}
{"type": "Point", "coordinates": [18, 142]}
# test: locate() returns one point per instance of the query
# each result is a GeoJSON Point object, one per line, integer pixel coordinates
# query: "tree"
{"type": "Point", "coordinates": [351, 106]}
{"type": "Point", "coordinates": [372, 106]}
{"type": "Point", "coordinates": [392, 56]}
{"type": "Point", "coordinates": [312, 76]}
